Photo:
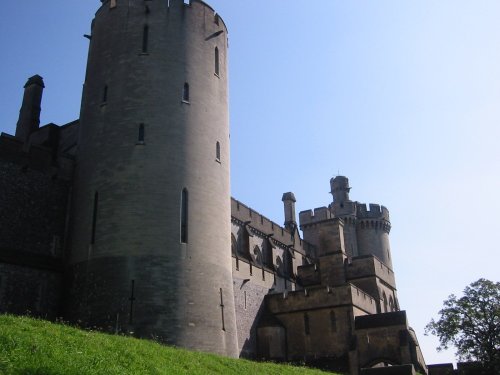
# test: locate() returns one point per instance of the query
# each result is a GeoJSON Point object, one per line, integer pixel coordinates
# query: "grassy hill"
{"type": "Point", "coordinates": [29, 346]}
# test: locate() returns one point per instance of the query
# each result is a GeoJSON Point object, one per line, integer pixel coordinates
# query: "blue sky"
{"type": "Point", "coordinates": [400, 96]}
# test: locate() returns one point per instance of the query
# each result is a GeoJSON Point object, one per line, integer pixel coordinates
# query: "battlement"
{"type": "Point", "coordinates": [321, 297]}
{"type": "Point", "coordinates": [375, 211]}
{"type": "Point", "coordinates": [311, 217]}
{"type": "Point", "coordinates": [267, 227]}
{"type": "Point", "coordinates": [369, 265]}
{"type": "Point", "coordinates": [186, 4]}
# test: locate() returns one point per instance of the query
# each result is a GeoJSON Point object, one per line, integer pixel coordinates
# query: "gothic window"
{"type": "Point", "coordinates": [185, 92]}
{"type": "Point", "coordinates": [184, 216]}
{"type": "Point", "coordinates": [268, 254]}
{"type": "Point", "coordinates": [279, 266]}
{"type": "Point", "coordinates": [244, 243]}
{"type": "Point", "coordinates": [216, 61]}
{"type": "Point", "coordinates": [257, 256]}
{"type": "Point", "coordinates": [234, 245]}
{"type": "Point", "coordinates": [391, 304]}
{"type": "Point", "coordinates": [145, 39]}
{"type": "Point", "coordinates": [288, 264]}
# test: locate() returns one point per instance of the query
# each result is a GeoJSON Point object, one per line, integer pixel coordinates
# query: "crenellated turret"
{"type": "Point", "coordinates": [365, 231]}
{"type": "Point", "coordinates": [373, 227]}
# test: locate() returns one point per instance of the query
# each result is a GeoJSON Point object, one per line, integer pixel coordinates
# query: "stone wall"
{"type": "Point", "coordinates": [32, 209]}
{"type": "Point", "coordinates": [25, 290]}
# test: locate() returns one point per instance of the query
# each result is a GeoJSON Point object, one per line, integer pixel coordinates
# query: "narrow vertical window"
{"type": "Point", "coordinates": [216, 61]}
{"type": "Point", "coordinates": [184, 216]}
{"type": "Point", "coordinates": [141, 133]}
{"type": "Point", "coordinates": [217, 151]}
{"type": "Point", "coordinates": [306, 324]}
{"type": "Point", "coordinates": [222, 309]}
{"type": "Point", "coordinates": [185, 92]}
{"type": "Point", "coordinates": [245, 296]}
{"type": "Point", "coordinates": [105, 94]}
{"type": "Point", "coordinates": [94, 217]}
{"type": "Point", "coordinates": [145, 39]}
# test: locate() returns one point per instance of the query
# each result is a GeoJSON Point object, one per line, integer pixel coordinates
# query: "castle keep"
{"type": "Point", "coordinates": [123, 219]}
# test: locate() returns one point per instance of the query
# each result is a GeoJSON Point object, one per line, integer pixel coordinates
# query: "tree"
{"type": "Point", "coordinates": [472, 324]}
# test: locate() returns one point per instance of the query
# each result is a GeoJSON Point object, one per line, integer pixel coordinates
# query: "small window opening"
{"type": "Point", "coordinates": [140, 139]}
{"type": "Point", "coordinates": [94, 217]}
{"type": "Point", "coordinates": [105, 94]}
{"type": "Point", "coordinates": [185, 92]}
{"type": "Point", "coordinates": [217, 65]}
{"type": "Point", "coordinates": [307, 329]}
{"type": "Point", "coordinates": [184, 216]}
{"type": "Point", "coordinates": [217, 151]}
{"type": "Point", "coordinates": [222, 309]}
{"type": "Point", "coordinates": [145, 39]}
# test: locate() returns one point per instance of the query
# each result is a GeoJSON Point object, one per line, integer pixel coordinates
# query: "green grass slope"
{"type": "Point", "coordinates": [29, 346]}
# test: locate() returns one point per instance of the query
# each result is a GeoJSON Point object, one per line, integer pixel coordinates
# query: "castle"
{"type": "Point", "coordinates": [123, 219]}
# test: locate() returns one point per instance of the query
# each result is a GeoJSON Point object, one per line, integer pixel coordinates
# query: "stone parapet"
{"type": "Point", "coordinates": [369, 265]}
{"type": "Point", "coordinates": [312, 217]}
{"type": "Point", "coordinates": [375, 211]}
{"type": "Point", "coordinates": [321, 297]}
{"type": "Point", "coordinates": [279, 234]}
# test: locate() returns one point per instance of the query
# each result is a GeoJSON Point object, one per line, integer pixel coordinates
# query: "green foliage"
{"type": "Point", "coordinates": [35, 347]}
{"type": "Point", "coordinates": [472, 324]}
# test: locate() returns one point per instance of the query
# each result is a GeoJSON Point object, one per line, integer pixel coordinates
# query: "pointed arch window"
{"type": "Point", "coordinates": [184, 215]}
{"type": "Point", "coordinates": [217, 63]}
{"type": "Point", "coordinates": [288, 264]}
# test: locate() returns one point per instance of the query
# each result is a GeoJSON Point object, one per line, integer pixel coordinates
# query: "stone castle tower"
{"type": "Point", "coordinates": [149, 248]}
{"type": "Point", "coordinates": [122, 220]}
{"type": "Point", "coordinates": [366, 231]}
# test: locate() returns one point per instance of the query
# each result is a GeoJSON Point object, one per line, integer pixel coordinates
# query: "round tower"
{"type": "Point", "coordinates": [373, 227]}
{"type": "Point", "coordinates": [150, 246]}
